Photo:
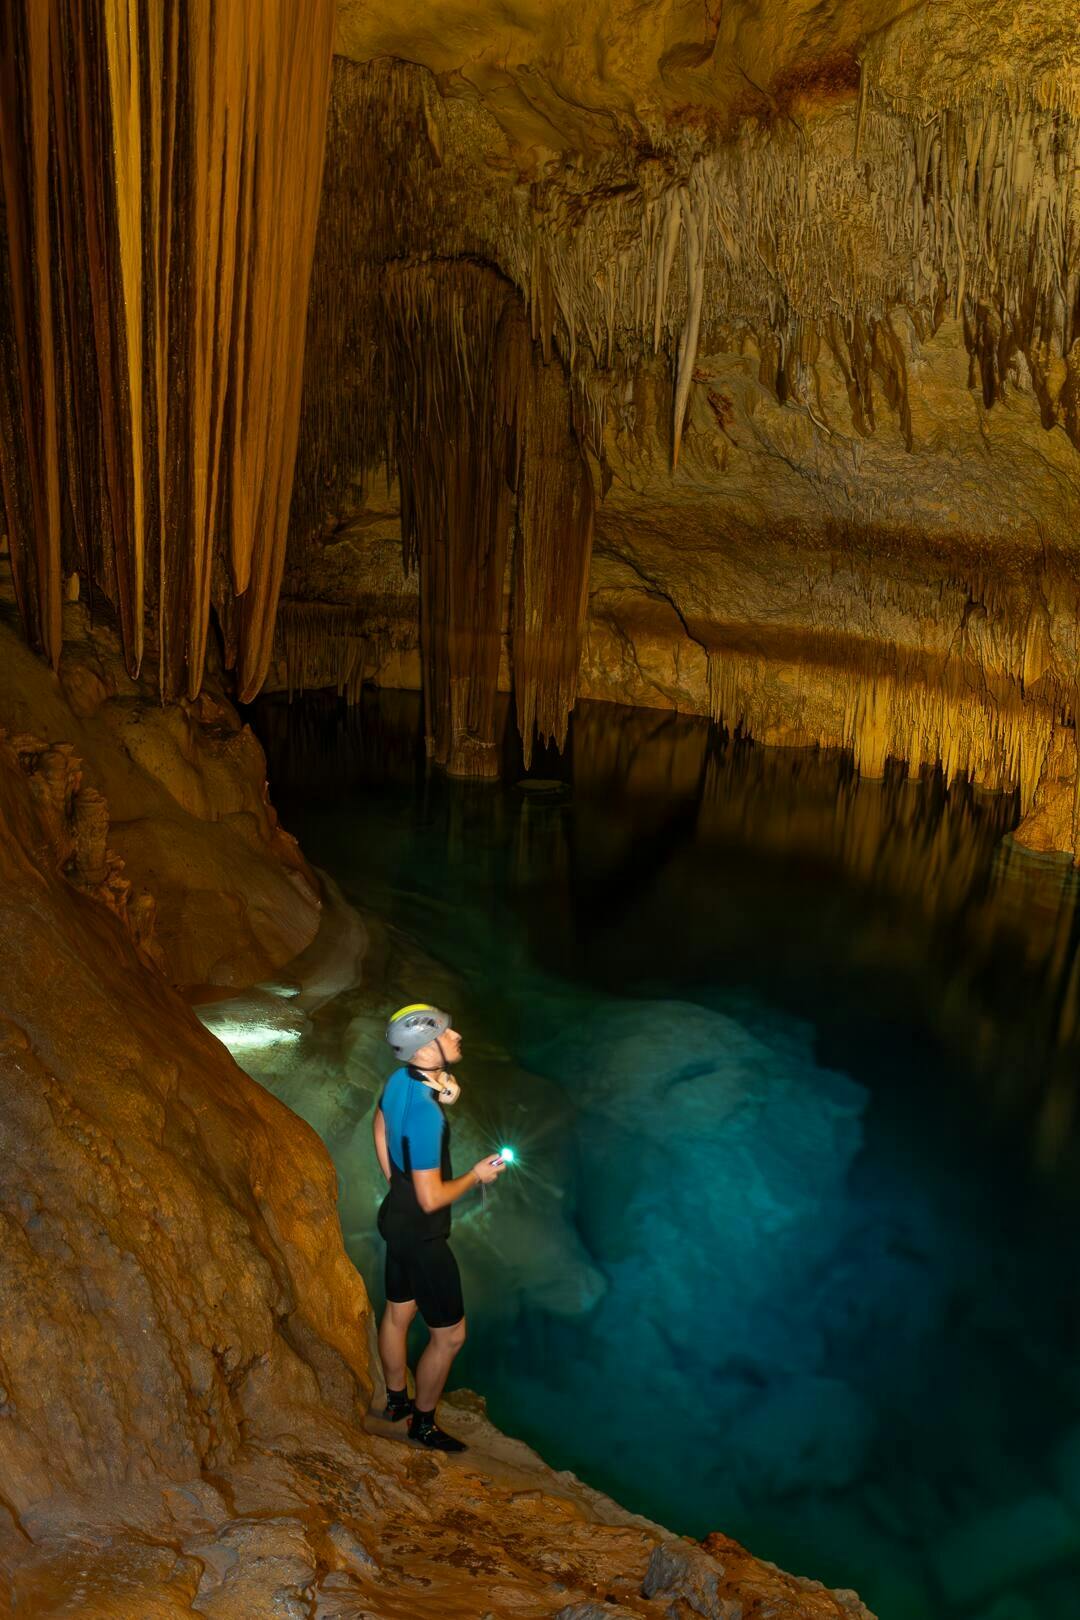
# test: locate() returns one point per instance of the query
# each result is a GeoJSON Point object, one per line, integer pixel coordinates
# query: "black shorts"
{"type": "Point", "coordinates": [425, 1270]}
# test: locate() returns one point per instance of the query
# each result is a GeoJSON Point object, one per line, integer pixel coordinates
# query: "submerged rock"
{"type": "Point", "coordinates": [1006, 1546]}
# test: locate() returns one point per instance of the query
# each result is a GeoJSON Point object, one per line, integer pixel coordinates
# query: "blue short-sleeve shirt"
{"type": "Point", "coordinates": [414, 1123]}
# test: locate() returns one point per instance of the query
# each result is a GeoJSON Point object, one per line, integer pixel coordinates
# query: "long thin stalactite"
{"type": "Point", "coordinates": [161, 171]}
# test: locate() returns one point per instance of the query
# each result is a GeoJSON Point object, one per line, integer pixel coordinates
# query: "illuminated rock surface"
{"type": "Point", "coordinates": [185, 1348]}
{"type": "Point", "coordinates": [162, 810]}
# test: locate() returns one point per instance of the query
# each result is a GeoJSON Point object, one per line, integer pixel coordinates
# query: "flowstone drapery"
{"type": "Point", "coordinates": [161, 169]}
{"type": "Point", "coordinates": [479, 417]}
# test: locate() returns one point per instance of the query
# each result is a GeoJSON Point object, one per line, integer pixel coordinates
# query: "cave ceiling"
{"type": "Point", "coordinates": [822, 190]}
{"type": "Point", "coordinates": [579, 78]}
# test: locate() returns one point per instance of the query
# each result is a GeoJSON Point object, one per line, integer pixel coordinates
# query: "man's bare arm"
{"type": "Point", "coordinates": [379, 1132]}
{"type": "Point", "coordinates": [432, 1192]}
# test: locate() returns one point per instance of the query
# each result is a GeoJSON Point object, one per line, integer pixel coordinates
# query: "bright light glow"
{"type": "Point", "coordinates": [252, 1037]}
{"type": "Point", "coordinates": [506, 1155]}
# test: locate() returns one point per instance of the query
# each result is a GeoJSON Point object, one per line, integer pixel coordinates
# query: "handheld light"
{"type": "Point", "coordinates": [506, 1154]}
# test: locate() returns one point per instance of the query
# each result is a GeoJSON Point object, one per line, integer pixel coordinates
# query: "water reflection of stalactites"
{"type": "Point", "coordinates": [974, 937]}
{"type": "Point", "coordinates": [717, 864]}
{"type": "Point", "coordinates": [637, 752]}
{"type": "Point", "coordinates": [321, 744]}
{"type": "Point", "coordinates": [637, 776]}
{"type": "Point", "coordinates": [1036, 901]}
{"type": "Point", "coordinates": [541, 838]}
{"type": "Point", "coordinates": [916, 840]}
{"type": "Point", "coordinates": [1001, 927]}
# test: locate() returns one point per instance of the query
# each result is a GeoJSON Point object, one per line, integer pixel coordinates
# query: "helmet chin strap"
{"type": "Point", "coordinates": [447, 1089]}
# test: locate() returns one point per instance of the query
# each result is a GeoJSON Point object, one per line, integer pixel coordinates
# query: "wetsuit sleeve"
{"type": "Point", "coordinates": [423, 1134]}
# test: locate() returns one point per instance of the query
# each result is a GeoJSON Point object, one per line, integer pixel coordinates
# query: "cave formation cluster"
{"type": "Point", "coordinates": [717, 358]}
{"type": "Point", "coordinates": [161, 170]}
{"type": "Point", "coordinates": [732, 370]}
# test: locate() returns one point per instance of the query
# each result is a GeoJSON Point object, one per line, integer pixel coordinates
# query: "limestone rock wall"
{"type": "Point", "coordinates": [161, 809]}
{"type": "Point", "coordinates": [171, 1252]}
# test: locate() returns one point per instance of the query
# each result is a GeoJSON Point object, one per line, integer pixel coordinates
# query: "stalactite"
{"type": "Point", "coordinates": [553, 545]}
{"type": "Point", "coordinates": [479, 416]}
{"type": "Point", "coordinates": [778, 232]}
{"type": "Point", "coordinates": [961, 209]}
{"type": "Point", "coordinates": [324, 644]}
{"type": "Point", "coordinates": [694, 203]}
{"type": "Point", "coordinates": [893, 705]}
{"type": "Point", "coordinates": [169, 206]}
{"type": "Point", "coordinates": [454, 450]}
{"type": "Point", "coordinates": [380, 123]}
{"type": "Point", "coordinates": [288, 95]}
{"type": "Point", "coordinates": [29, 444]}
{"type": "Point", "coordinates": [431, 368]}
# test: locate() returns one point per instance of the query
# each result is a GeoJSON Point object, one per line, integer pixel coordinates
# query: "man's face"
{"type": "Point", "coordinates": [431, 1057]}
{"type": "Point", "coordinates": [451, 1045]}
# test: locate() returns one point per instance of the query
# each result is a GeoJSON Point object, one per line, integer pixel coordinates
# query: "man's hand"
{"type": "Point", "coordinates": [432, 1192]}
{"type": "Point", "coordinates": [488, 1170]}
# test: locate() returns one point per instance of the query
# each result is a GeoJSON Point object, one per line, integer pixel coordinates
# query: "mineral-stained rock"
{"type": "Point", "coordinates": [116, 1575]}
{"type": "Point", "coordinates": [349, 1551]}
{"type": "Point", "coordinates": [266, 1565]}
{"type": "Point", "coordinates": [136, 1260]}
{"type": "Point", "coordinates": [682, 1572]}
{"type": "Point", "coordinates": [593, 1611]}
{"type": "Point", "coordinates": [723, 1582]}
{"type": "Point", "coordinates": [160, 811]}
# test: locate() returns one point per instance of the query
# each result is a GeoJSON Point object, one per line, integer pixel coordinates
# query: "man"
{"type": "Point", "coordinates": [412, 1140]}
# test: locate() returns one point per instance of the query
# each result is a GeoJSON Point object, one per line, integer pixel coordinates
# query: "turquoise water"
{"type": "Point", "coordinates": [789, 1063]}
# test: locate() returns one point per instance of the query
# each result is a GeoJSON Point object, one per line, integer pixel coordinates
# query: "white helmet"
{"type": "Point", "coordinates": [413, 1027]}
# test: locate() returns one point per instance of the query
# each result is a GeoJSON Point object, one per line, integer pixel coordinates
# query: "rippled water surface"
{"type": "Point", "coordinates": [789, 1061]}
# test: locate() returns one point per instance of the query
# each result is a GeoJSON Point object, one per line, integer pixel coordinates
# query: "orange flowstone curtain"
{"type": "Point", "coordinates": [168, 158]}
{"type": "Point", "coordinates": [446, 325]}
{"type": "Point", "coordinates": [480, 418]}
{"type": "Point", "coordinates": [29, 450]}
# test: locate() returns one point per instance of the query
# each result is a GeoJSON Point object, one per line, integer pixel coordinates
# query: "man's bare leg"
{"type": "Point", "coordinates": [393, 1342]}
{"type": "Point", "coordinates": [435, 1363]}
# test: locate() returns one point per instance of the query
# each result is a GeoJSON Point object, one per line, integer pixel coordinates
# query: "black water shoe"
{"type": "Point", "coordinates": [398, 1405]}
{"type": "Point", "coordinates": [426, 1432]}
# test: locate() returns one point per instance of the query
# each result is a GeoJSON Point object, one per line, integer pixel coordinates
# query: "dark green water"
{"type": "Point", "coordinates": [789, 1059]}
